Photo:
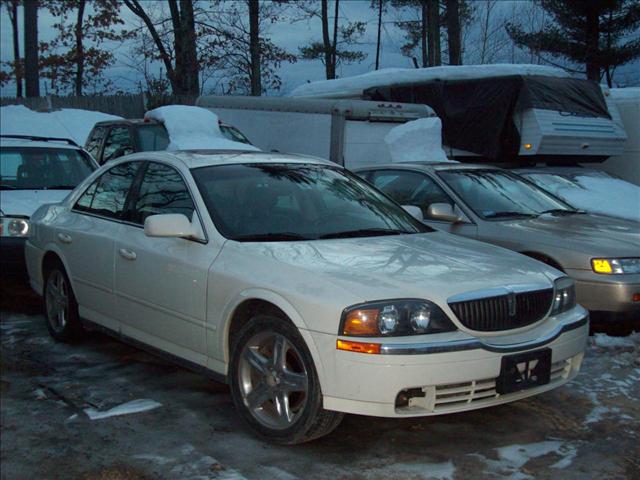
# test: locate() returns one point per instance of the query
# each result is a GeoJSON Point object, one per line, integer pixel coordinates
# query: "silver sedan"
{"type": "Point", "coordinates": [602, 254]}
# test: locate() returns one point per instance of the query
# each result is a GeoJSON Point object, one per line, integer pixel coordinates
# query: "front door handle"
{"type": "Point", "coordinates": [128, 254]}
{"type": "Point", "coordinates": [64, 238]}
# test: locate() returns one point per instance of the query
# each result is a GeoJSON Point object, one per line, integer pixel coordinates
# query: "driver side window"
{"type": "Point", "coordinates": [410, 188]}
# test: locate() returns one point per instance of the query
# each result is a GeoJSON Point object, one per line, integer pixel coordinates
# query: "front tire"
{"type": "Point", "coordinates": [60, 306]}
{"type": "Point", "coordinates": [274, 384]}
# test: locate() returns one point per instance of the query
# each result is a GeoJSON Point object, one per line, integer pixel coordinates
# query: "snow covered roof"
{"type": "Point", "coordinates": [66, 123]}
{"type": "Point", "coordinates": [351, 87]}
{"type": "Point", "coordinates": [194, 128]}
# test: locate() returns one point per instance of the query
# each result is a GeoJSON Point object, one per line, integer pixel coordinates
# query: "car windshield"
{"type": "Point", "coordinates": [27, 168]}
{"type": "Point", "coordinates": [153, 138]}
{"type": "Point", "coordinates": [288, 202]}
{"type": "Point", "coordinates": [494, 194]}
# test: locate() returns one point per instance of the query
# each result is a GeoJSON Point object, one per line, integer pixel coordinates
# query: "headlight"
{"type": "Point", "coordinates": [14, 227]}
{"type": "Point", "coordinates": [564, 296]}
{"type": "Point", "coordinates": [394, 318]}
{"type": "Point", "coordinates": [610, 266]}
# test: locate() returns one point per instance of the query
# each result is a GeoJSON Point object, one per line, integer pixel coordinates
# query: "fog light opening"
{"type": "Point", "coordinates": [403, 398]}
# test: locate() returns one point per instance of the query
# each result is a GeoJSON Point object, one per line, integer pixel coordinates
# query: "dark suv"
{"type": "Point", "coordinates": [115, 138]}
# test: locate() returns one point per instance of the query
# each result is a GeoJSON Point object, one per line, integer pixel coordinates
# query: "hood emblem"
{"type": "Point", "coordinates": [511, 304]}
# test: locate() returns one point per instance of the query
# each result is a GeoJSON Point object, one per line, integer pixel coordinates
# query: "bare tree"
{"type": "Point", "coordinates": [453, 32]}
{"type": "Point", "coordinates": [15, 66]}
{"type": "Point", "coordinates": [332, 50]}
{"type": "Point", "coordinates": [31, 69]}
{"type": "Point", "coordinates": [254, 47]}
{"type": "Point", "coordinates": [184, 76]}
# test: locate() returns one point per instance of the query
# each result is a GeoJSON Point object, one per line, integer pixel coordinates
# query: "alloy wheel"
{"type": "Point", "coordinates": [273, 380]}
{"type": "Point", "coordinates": [57, 301]}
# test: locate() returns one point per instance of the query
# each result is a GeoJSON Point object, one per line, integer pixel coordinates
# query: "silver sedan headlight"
{"type": "Point", "coordinates": [564, 297]}
{"type": "Point", "coordinates": [613, 266]}
{"type": "Point", "coordinates": [14, 227]}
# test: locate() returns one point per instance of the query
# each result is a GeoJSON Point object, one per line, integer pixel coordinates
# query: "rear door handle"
{"type": "Point", "coordinates": [64, 238]}
{"type": "Point", "coordinates": [128, 254]}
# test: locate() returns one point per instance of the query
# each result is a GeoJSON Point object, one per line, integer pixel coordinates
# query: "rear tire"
{"type": "Point", "coordinates": [274, 384]}
{"type": "Point", "coordinates": [60, 306]}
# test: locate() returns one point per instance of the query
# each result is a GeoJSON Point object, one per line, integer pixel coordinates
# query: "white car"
{"type": "Point", "coordinates": [308, 291]}
{"type": "Point", "coordinates": [33, 171]}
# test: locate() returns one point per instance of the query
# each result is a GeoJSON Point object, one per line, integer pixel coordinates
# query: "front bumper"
{"type": "Point", "coordinates": [459, 377]}
{"type": "Point", "coordinates": [12, 262]}
{"type": "Point", "coordinates": [607, 293]}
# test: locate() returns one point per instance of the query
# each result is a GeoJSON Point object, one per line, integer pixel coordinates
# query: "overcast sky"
{"type": "Point", "coordinates": [290, 35]}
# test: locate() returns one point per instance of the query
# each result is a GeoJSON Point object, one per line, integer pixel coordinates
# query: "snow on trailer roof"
{"type": "Point", "coordinates": [352, 87]}
{"type": "Point", "coordinates": [354, 109]}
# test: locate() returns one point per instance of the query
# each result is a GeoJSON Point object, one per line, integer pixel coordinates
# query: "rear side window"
{"type": "Point", "coordinates": [95, 141]}
{"type": "Point", "coordinates": [162, 191]}
{"type": "Point", "coordinates": [118, 143]}
{"type": "Point", "coordinates": [107, 196]}
{"type": "Point", "coordinates": [152, 138]}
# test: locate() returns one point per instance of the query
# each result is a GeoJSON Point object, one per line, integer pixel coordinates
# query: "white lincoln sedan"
{"type": "Point", "coordinates": [311, 293]}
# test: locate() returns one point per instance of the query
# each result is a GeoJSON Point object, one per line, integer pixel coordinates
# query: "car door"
{"type": "Point", "coordinates": [94, 141]}
{"type": "Point", "coordinates": [86, 238]}
{"type": "Point", "coordinates": [161, 283]}
{"type": "Point", "coordinates": [118, 143]}
{"type": "Point", "coordinates": [419, 189]}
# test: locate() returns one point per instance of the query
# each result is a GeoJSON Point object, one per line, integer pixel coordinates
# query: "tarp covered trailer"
{"type": "Point", "coordinates": [501, 118]}
{"type": "Point", "coordinates": [348, 132]}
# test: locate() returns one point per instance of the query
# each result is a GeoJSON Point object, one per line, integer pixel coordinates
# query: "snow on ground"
{"type": "Point", "coordinates": [631, 93]}
{"type": "Point", "coordinates": [134, 406]}
{"type": "Point", "coordinates": [66, 123]}
{"type": "Point", "coordinates": [418, 140]}
{"type": "Point", "coordinates": [193, 128]}
{"type": "Point", "coordinates": [605, 341]}
{"type": "Point", "coordinates": [351, 87]}
{"type": "Point", "coordinates": [598, 194]}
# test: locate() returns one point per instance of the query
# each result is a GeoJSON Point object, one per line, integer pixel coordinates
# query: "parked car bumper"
{"type": "Point", "coordinates": [12, 263]}
{"type": "Point", "coordinates": [607, 293]}
{"type": "Point", "coordinates": [456, 375]}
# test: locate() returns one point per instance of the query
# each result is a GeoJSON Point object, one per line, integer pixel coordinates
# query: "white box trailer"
{"type": "Point", "coordinates": [498, 113]}
{"type": "Point", "coordinates": [348, 132]}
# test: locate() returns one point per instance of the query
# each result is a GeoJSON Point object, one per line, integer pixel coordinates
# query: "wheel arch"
{"type": "Point", "coordinates": [51, 256]}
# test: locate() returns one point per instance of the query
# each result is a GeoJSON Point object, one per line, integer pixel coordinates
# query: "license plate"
{"type": "Point", "coordinates": [524, 370]}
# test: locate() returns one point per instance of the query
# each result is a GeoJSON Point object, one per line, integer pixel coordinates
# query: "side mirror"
{"type": "Point", "coordinates": [442, 211]}
{"type": "Point", "coordinates": [415, 212]}
{"type": "Point", "coordinates": [172, 225]}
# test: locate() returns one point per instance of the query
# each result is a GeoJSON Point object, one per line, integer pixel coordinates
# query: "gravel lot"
{"type": "Point", "coordinates": [587, 429]}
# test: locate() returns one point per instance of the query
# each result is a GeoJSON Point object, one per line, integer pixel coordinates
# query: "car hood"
{"type": "Point", "coordinates": [25, 202]}
{"type": "Point", "coordinates": [343, 272]}
{"type": "Point", "coordinates": [586, 233]}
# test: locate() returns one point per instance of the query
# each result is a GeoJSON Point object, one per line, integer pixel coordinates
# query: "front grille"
{"type": "Point", "coordinates": [503, 312]}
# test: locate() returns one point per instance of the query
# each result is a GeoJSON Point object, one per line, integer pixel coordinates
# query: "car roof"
{"type": "Point", "coordinates": [430, 166]}
{"type": "Point", "coordinates": [28, 143]}
{"type": "Point", "coordinates": [203, 158]}
{"type": "Point", "coordinates": [127, 121]}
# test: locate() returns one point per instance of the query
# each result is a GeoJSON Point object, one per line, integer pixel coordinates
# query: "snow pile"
{"type": "Point", "coordinates": [603, 340]}
{"type": "Point", "coordinates": [134, 406]}
{"type": "Point", "coordinates": [66, 123]}
{"type": "Point", "coordinates": [193, 128]}
{"type": "Point", "coordinates": [352, 87]}
{"type": "Point", "coordinates": [629, 93]}
{"type": "Point", "coordinates": [417, 141]}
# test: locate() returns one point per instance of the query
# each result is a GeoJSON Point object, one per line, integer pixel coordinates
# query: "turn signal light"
{"type": "Point", "coordinates": [636, 297]}
{"type": "Point", "coordinates": [528, 146]}
{"type": "Point", "coordinates": [362, 322]}
{"type": "Point", "coordinates": [358, 347]}
{"type": "Point", "coordinates": [601, 265]}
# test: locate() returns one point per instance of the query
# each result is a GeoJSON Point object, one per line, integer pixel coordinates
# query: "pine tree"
{"type": "Point", "coordinates": [591, 32]}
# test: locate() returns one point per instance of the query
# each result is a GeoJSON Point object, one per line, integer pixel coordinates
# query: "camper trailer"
{"type": "Point", "coordinates": [501, 114]}
{"type": "Point", "coordinates": [348, 132]}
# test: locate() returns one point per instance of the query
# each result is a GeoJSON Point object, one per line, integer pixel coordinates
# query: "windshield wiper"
{"type": "Point", "coordinates": [364, 232]}
{"type": "Point", "coordinates": [508, 214]}
{"type": "Point", "coordinates": [270, 237]}
{"type": "Point", "coordinates": [60, 187]}
{"type": "Point", "coordinates": [562, 211]}
{"type": "Point", "coordinates": [7, 187]}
